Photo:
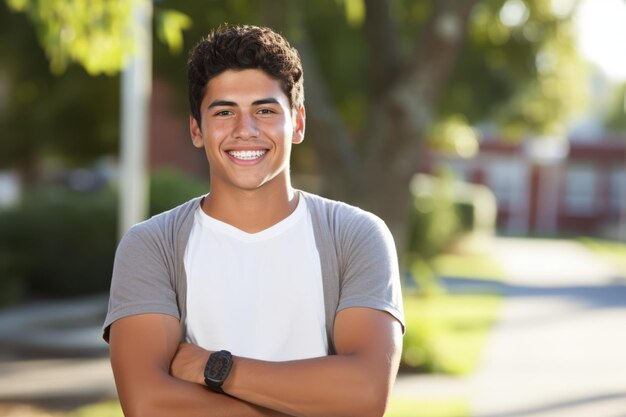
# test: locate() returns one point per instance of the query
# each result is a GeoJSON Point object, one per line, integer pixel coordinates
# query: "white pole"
{"type": "Point", "coordinates": [621, 180]}
{"type": "Point", "coordinates": [136, 85]}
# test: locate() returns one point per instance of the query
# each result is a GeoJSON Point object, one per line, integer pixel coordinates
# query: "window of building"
{"type": "Point", "coordinates": [617, 190]}
{"type": "Point", "coordinates": [580, 190]}
{"type": "Point", "coordinates": [507, 178]}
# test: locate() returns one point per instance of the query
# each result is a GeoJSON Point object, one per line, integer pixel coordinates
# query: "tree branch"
{"type": "Point", "coordinates": [411, 102]}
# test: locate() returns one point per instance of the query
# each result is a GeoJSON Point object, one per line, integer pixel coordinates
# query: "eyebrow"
{"type": "Point", "coordinates": [226, 103]}
{"type": "Point", "coordinates": [269, 100]}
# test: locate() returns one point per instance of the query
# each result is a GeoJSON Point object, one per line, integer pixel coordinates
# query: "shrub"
{"type": "Point", "coordinates": [443, 210]}
{"type": "Point", "coordinates": [60, 242]}
{"type": "Point", "coordinates": [434, 220]}
{"type": "Point", "coordinates": [169, 188]}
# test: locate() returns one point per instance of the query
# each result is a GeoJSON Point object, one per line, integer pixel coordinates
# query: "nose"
{"type": "Point", "coordinates": [246, 127]}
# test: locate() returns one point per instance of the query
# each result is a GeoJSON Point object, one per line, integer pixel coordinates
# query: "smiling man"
{"type": "Point", "coordinates": [256, 299]}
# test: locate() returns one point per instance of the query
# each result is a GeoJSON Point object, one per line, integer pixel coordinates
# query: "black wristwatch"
{"type": "Point", "coordinates": [217, 369]}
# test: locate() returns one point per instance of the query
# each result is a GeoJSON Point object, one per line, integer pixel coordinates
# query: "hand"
{"type": "Point", "coordinates": [188, 363]}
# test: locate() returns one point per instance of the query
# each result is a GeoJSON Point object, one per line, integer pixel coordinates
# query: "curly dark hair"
{"type": "Point", "coordinates": [231, 47]}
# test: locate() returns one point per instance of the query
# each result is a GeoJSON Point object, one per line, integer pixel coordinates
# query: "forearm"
{"type": "Point", "coordinates": [166, 396]}
{"type": "Point", "coordinates": [142, 348]}
{"type": "Point", "coordinates": [332, 385]}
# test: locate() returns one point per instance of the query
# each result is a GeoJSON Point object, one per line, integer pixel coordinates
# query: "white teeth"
{"type": "Point", "coordinates": [247, 155]}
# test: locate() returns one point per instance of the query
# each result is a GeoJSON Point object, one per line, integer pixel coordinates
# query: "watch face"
{"type": "Point", "coordinates": [218, 369]}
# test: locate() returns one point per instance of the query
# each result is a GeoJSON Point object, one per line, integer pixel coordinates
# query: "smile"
{"type": "Point", "coordinates": [247, 155]}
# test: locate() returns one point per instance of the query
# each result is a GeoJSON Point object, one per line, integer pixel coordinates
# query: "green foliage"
{"type": "Point", "coordinates": [434, 219]}
{"type": "Point", "coordinates": [61, 243]}
{"type": "Point", "coordinates": [170, 26]}
{"type": "Point", "coordinates": [92, 33]}
{"type": "Point", "coordinates": [12, 288]}
{"type": "Point", "coordinates": [169, 188]}
{"type": "Point", "coordinates": [433, 224]}
{"type": "Point", "coordinates": [525, 75]}
{"type": "Point", "coordinates": [354, 10]}
{"type": "Point", "coordinates": [444, 210]}
{"type": "Point", "coordinates": [73, 117]}
{"type": "Point", "coordinates": [616, 117]}
{"type": "Point", "coordinates": [453, 135]}
{"type": "Point", "coordinates": [96, 34]}
{"type": "Point", "coordinates": [520, 68]}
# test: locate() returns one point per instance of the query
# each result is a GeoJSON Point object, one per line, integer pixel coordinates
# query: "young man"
{"type": "Point", "coordinates": [256, 299]}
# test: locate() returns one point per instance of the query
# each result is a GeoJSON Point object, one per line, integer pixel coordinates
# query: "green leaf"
{"type": "Point", "coordinates": [94, 34]}
{"type": "Point", "coordinates": [355, 11]}
{"type": "Point", "coordinates": [170, 25]}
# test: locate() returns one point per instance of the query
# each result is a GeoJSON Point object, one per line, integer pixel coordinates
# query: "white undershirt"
{"type": "Point", "coordinates": [258, 295]}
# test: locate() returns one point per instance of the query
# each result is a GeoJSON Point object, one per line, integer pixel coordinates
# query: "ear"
{"type": "Point", "coordinates": [299, 124]}
{"type": "Point", "coordinates": [196, 132]}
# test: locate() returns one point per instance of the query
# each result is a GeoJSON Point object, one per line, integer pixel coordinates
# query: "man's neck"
{"type": "Point", "coordinates": [251, 211]}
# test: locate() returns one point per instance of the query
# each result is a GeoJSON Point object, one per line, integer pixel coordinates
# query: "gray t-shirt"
{"type": "Point", "coordinates": [357, 256]}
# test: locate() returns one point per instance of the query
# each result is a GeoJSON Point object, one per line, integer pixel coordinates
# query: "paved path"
{"type": "Point", "coordinates": [559, 349]}
{"type": "Point", "coordinates": [52, 355]}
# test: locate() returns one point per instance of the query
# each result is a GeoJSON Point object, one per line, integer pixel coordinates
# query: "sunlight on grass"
{"type": "Point", "coordinates": [468, 266]}
{"type": "Point", "coordinates": [407, 407]}
{"type": "Point", "coordinates": [614, 252]}
{"type": "Point", "coordinates": [103, 409]}
{"type": "Point", "coordinates": [447, 333]}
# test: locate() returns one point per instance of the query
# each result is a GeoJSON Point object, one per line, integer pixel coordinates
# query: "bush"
{"type": "Point", "coordinates": [169, 188]}
{"type": "Point", "coordinates": [60, 242]}
{"type": "Point", "coordinates": [443, 210]}
{"type": "Point", "coordinates": [434, 219]}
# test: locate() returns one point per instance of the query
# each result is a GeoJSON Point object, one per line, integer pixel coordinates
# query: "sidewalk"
{"type": "Point", "coordinates": [559, 349]}
{"type": "Point", "coordinates": [53, 355]}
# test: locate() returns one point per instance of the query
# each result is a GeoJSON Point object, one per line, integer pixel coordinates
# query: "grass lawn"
{"type": "Point", "coordinates": [446, 332]}
{"type": "Point", "coordinates": [407, 407]}
{"type": "Point", "coordinates": [468, 266]}
{"type": "Point", "coordinates": [102, 409]}
{"type": "Point", "coordinates": [614, 252]}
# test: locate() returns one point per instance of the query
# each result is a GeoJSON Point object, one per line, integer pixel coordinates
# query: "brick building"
{"type": "Point", "coordinates": [577, 186]}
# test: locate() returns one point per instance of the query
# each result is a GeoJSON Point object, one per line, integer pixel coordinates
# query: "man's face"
{"type": "Point", "coordinates": [247, 130]}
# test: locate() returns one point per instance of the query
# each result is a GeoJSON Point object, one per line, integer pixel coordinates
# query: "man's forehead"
{"type": "Point", "coordinates": [243, 88]}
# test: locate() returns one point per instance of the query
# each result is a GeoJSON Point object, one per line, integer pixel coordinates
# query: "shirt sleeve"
{"type": "Point", "coordinates": [141, 281]}
{"type": "Point", "coordinates": [371, 275]}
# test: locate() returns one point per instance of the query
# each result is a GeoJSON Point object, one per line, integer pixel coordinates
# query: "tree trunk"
{"type": "Point", "coordinates": [377, 175]}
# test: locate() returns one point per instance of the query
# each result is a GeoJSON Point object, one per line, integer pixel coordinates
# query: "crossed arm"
{"type": "Point", "coordinates": [157, 376]}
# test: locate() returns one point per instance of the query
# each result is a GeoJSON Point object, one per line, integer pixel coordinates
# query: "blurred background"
{"type": "Point", "coordinates": [490, 135]}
